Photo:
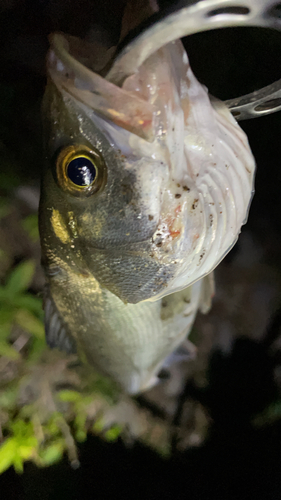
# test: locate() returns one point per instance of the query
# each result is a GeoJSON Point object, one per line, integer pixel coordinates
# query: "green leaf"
{"type": "Point", "coordinates": [113, 433]}
{"type": "Point", "coordinates": [3, 292]}
{"type": "Point", "coordinates": [26, 451]}
{"type": "Point", "coordinates": [79, 424]}
{"type": "Point", "coordinates": [8, 351]}
{"type": "Point", "coordinates": [29, 302]}
{"type": "Point", "coordinates": [36, 349]}
{"type": "Point", "coordinates": [52, 426]}
{"type": "Point", "coordinates": [30, 225]}
{"type": "Point", "coordinates": [80, 436]}
{"type": "Point", "coordinates": [103, 385]}
{"type": "Point", "coordinates": [6, 316]}
{"type": "Point", "coordinates": [20, 278]}
{"type": "Point", "coordinates": [18, 463]}
{"type": "Point", "coordinates": [69, 396]}
{"type": "Point", "coordinates": [8, 398]}
{"type": "Point", "coordinates": [26, 411]}
{"type": "Point", "coordinates": [98, 426]}
{"type": "Point", "coordinates": [7, 454]}
{"type": "Point", "coordinates": [5, 330]}
{"type": "Point", "coordinates": [53, 453]}
{"type": "Point", "coordinates": [22, 429]}
{"type": "Point", "coordinates": [30, 323]}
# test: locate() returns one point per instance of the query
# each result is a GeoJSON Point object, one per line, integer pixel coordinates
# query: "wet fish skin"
{"type": "Point", "coordinates": [128, 342]}
{"type": "Point", "coordinates": [167, 214]}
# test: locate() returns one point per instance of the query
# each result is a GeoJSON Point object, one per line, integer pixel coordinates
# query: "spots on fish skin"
{"type": "Point", "coordinates": [211, 219]}
{"type": "Point", "coordinates": [59, 227]}
{"type": "Point", "coordinates": [201, 256]}
{"type": "Point", "coordinates": [185, 188]}
{"type": "Point", "coordinates": [150, 217]}
{"type": "Point", "coordinates": [178, 195]}
{"type": "Point", "coordinates": [195, 204]}
{"type": "Point", "coordinates": [73, 224]}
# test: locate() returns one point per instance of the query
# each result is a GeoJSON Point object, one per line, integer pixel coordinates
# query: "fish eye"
{"type": "Point", "coordinates": [80, 170]}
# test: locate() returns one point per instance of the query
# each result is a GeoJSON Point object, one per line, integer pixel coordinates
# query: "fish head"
{"type": "Point", "coordinates": [136, 191]}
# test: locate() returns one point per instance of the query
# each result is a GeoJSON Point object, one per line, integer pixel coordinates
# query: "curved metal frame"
{"type": "Point", "coordinates": [203, 15]}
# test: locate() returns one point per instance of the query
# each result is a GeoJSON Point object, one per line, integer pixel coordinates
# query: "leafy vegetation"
{"type": "Point", "coordinates": [20, 308]}
{"type": "Point", "coordinates": [29, 428]}
{"type": "Point", "coordinates": [46, 404]}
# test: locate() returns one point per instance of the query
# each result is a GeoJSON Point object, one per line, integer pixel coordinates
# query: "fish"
{"type": "Point", "coordinates": [146, 185]}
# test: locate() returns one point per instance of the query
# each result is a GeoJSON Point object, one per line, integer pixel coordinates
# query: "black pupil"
{"type": "Point", "coordinates": [81, 171]}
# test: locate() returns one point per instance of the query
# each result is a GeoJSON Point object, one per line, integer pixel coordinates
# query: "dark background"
{"type": "Point", "coordinates": [237, 461]}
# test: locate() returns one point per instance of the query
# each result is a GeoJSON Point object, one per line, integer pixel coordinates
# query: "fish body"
{"type": "Point", "coordinates": [128, 249]}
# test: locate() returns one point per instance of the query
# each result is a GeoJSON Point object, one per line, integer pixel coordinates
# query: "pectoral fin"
{"type": "Point", "coordinates": [185, 352]}
{"type": "Point", "coordinates": [55, 330]}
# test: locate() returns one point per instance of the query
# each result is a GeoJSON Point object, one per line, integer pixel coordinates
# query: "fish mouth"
{"type": "Point", "coordinates": [121, 107]}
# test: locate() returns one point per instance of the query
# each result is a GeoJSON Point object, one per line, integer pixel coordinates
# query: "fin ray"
{"type": "Point", "coordinates": [55, 330]}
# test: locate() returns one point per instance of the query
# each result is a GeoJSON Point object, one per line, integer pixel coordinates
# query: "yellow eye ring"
{"type": "Point", "coordinates": [80, 170]}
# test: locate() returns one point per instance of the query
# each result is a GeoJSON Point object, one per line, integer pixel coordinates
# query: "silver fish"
{"type": "Point", "coordinates": [146, 187]}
